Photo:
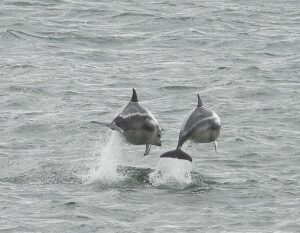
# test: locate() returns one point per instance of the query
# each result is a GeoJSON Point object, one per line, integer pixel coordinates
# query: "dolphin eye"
{"type": "Point", "coordinates": [158, 135]}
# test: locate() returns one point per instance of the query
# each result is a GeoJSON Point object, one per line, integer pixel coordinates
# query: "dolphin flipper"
{"type": "Point", "coordinates": [216, 146]}
{"type": "Point", "coordinates": [177, 154]}
{"type": "Point", "coordinates": [148, 147]}
{"type": "Point", "coordinates": [109, 125]}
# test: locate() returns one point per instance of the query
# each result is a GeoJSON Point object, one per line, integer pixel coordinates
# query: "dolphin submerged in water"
{"type": "Point", "coordinates": [136, 124]}
{"type": "Point", "coordinates": [201, 126]}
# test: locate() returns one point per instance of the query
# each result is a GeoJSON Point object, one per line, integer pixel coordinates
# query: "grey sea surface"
{"type": "Point", "coordinates": [65, 63]}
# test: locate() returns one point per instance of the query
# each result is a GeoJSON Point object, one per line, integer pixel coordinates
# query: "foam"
{"type": "Point", "coordinates": [172, 173]}
{"type": "Point", "coordinates": [105, 168]}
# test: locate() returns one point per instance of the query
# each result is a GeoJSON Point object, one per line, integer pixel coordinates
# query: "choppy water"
{"type": "Point", "coordinates": [65, 63]}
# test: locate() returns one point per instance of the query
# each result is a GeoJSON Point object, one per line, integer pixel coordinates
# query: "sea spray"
{"type": "Point", "coordinates": [172, 173]}
{"type": "Point", "coordinates": [105, 168]}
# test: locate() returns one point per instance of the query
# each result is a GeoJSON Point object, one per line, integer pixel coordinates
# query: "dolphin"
{"type": "Point", "coordinates": [201, 125]}
{"type": "Point", "coordinates": [136, 124]}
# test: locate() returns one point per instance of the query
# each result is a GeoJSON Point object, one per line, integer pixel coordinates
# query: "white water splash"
{"type": "Point", "coordinates": [105, 167]}
{"type": "Point", "coordinates": [172, 173]}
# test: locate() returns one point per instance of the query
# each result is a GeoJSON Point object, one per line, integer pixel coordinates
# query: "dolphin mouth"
{"type": "Point", "coordinates": [156, 144]}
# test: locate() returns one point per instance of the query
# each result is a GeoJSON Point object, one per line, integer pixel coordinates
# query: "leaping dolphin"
{"type": "Point", "coordinates": [201, 126]}
{"type": "Point", "coordinates": [136, 124]}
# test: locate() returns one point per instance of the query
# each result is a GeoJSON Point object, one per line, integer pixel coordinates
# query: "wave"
{"type": "Point", "coordinates": [30, 4]}
{"type": "Point", "coordinates": [10, 35]}
{"type": "Point", "coordinates": [129, 178]}
{"type": "Point", "coordinates": [46, 174]}
{"type": "Point", "coordinates": [108, 171]}
{"type": "Point", "coordinates": [178, 88]}
{"type": "Point", "coordinates": [131, 14]}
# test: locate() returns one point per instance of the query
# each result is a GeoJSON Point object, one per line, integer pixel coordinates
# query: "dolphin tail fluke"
{"type": "Point", "coordinates": [109, 125]}
{"type": "Point", "coordinates": [216, 146]}
{"type": "Point", "coordinates": [148, 147]}
{"type": "Point", "coordinates": [177, 154]}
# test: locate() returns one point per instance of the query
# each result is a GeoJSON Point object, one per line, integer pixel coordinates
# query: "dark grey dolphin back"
{"type": "Point", "coordinates": [132, 117]}
{"type": "Point", "coordinates": [132, 108]}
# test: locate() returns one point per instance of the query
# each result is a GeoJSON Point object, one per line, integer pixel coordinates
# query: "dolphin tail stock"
{"type": "Point", "coordinates": [177, 154]}
{"type": "Point", "coordinates": [109, 125]}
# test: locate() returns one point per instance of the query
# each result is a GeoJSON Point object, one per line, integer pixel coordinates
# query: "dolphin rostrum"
{"type": "Point", "coordinates": [136, 124]}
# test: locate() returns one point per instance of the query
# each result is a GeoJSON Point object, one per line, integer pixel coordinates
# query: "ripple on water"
{"type": "Point", "coordinates": [178, 88]}
{"type": "Point", "coordinates": [46, 174]}
{"type": "Point", "coordinates": [71, 204]}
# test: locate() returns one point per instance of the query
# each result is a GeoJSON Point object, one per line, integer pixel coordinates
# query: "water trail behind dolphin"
{"type": "Point", "coordinates": [172, 173]}
{"type": "Point", "coordinates": [105, 167]}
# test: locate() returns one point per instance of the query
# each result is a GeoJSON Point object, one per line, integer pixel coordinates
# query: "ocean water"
{"type": "Point", "coordinates": [64, 63]}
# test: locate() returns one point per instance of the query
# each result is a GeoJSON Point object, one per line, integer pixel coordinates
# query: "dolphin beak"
{"type": "Point", "coordinates": [157, 142]}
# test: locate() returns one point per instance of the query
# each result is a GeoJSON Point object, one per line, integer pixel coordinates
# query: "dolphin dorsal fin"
{"type": "Point", "coordinates": [134, 97]}
{"type": "Point", "coordinates": [200, 103]}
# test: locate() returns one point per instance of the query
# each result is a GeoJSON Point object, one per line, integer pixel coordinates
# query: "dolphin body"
{"type": "Point", "coordinates": [201, 126]}
{"type": "Point", "coordinates": [136, 124]}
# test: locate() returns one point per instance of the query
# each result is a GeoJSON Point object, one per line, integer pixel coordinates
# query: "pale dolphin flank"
{"type": "Point", "coordinates": [136, 124]}
{"type": "Point", "coordinates": [201, 126]}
